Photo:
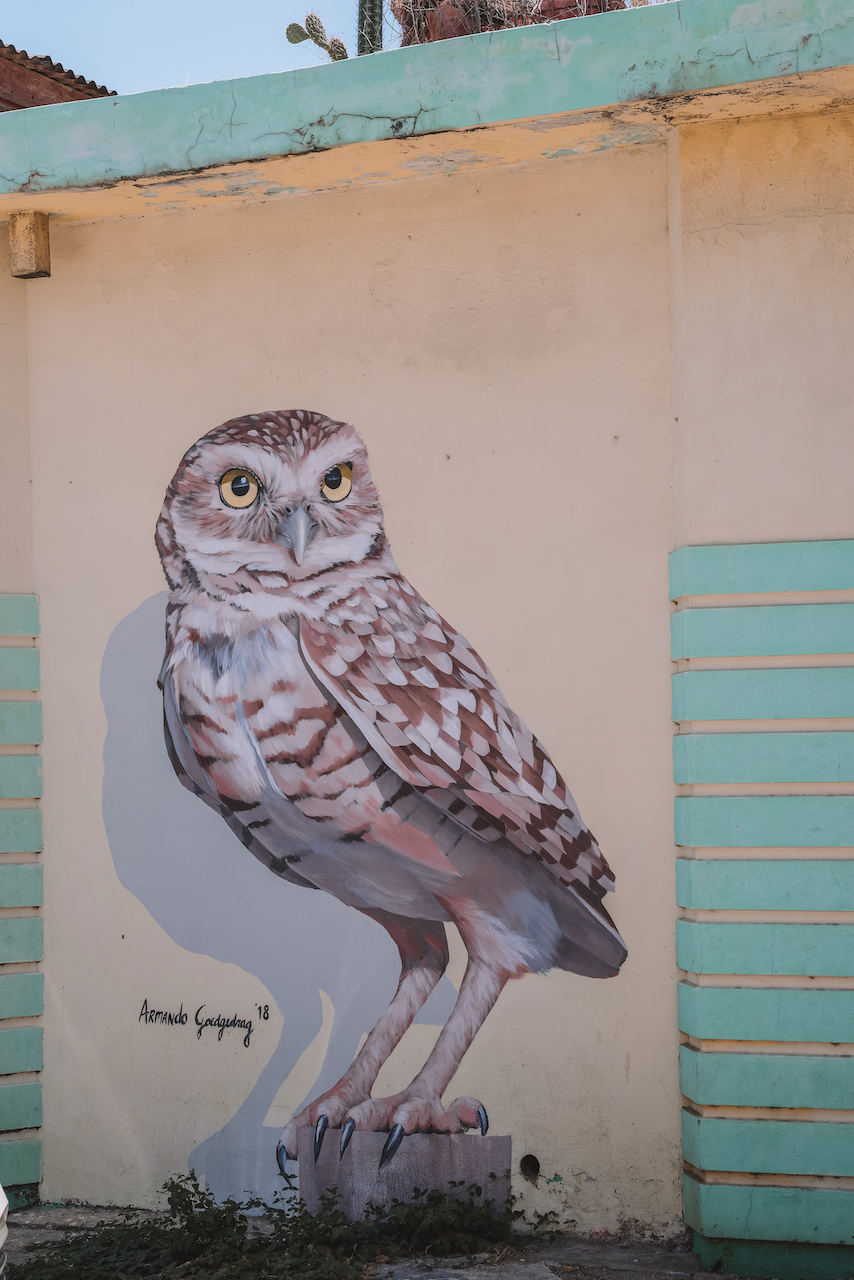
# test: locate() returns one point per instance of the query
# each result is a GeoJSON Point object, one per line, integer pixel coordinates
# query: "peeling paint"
{"type": "Point", "coordinates": [607, 80]}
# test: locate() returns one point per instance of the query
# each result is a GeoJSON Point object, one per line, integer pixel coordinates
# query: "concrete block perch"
{"type": "Point", "coordinates": [427, 1161]}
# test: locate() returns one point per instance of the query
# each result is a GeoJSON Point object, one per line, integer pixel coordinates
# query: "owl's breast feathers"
{"type": "Point", "coordinates": [378, 698]}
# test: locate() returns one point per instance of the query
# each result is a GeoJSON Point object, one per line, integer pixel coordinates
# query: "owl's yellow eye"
{"type": "Point", "coordinates": [238, 488]}
{"type": "Point", "coordinates": [337, 482]}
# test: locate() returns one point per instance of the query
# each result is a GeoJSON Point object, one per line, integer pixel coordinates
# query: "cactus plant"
{"type": "Point", "coordinates": [370, 26]}
{"type": "Point", "coordinates": [315, 30]}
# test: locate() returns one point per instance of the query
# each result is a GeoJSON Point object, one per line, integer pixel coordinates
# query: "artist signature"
{"type": "Point", "coordinates": [218, 1022]}
{"type": "Point", "coordinates": [224, 1024]}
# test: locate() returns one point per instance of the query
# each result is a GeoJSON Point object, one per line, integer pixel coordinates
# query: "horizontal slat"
{"type": "Point", "coordinates": [806, 1214]}
{"type": "Point", "coordinates": [755, 822]}
{"type": "Point", "coordinates": [782, 1259]}
{"type": "Point", "coordinates": [20, 777]}
{"type": "Point", "coordinates": [803, 949]}
{"type": "Point", "coordinates": [763, 631]}
{"type": "Point", "coordinates": [766, 1079]}
{"type": "Point", "coordinates": [21, 995]}
{"type": "Point", "coordinates": [19, 616]}
{"type": "Point", "coordinates": [742, 1013]}
{"type": "Point", "coordinates": [21, 884]}
{"type": "Point", "coordinates": [784, 885]}
{"type": "Point", "coordinates": [20, 722]}
{"type": "Point", "coordinates": [20, 1050]}
{"type": "Point", "coordinates": [20, 1106]}
{"type": "Point", "coordinates": [21, 831]}
{"type": "Point", "coordinates": [21, 939]}
{"type": "Point", "coordinates": [763, 757]}
{"type": "Point", "coordinates": [768, 1146]}
{"type": "Point", "coordinates": [20, 1162]}
{"type": "Point", "coordinates": [762, 566]}
{"type": "Point", "coordinates": [19, 669]}
{"type": "Point", "coordinates": [782, 694]}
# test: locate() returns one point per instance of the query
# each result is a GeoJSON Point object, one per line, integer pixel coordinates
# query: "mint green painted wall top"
{"type": "Point", "coordinates": [803, 949]}
{"type": "Point", "coordinates": [456, 84]}
{"type": "Point", "coordinates": [743, 1013]}
{"type": "Point", "coordinates": [796, 885]}
{"type": "Point", "coordinates": [770, 1213]}
{"type": "Point", "coordinates": [766, 1079]}
{"type": "Point", "coordinates": [782, 694]}
{"type": "Point", "coordinates": [756, 822]}
{"type": "Point", "coordinates": [763, 757]}
{"type": "Point", "coordinates": [762, 630]}
{"type": "Point", "coordinates": [19, 616]}
{"type": "Point", "coordinates": [768, 1146]}
{"type": "Point", "coordinates": [762, 566]}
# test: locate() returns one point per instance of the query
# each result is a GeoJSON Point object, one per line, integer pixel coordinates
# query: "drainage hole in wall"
{"type": "Point", "coordinates": [529, 1167]}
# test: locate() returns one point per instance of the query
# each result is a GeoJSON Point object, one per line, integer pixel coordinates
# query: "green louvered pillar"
{"type": "Point", "coordinates": [765, 886]}
{"type": "Point", "coordinates": [21, 897]}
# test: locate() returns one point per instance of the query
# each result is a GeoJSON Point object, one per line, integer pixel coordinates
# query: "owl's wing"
{"type": "Point", "coordinates": [434, 713]}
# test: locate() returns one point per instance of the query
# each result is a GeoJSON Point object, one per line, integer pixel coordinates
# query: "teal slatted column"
{"type": "Point", "coordinates": [763, 759]}
{"type": "Point", "coordinates": [21, 941]}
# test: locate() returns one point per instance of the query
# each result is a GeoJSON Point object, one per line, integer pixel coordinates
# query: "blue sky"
{"type": "Point", "coordinates": [134, 47]}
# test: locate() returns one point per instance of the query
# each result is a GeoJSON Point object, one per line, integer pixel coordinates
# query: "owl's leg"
{"type": "Point", "coordinates": [418, 1108]}
{"type": "Point", "coordinates": [423, 951]}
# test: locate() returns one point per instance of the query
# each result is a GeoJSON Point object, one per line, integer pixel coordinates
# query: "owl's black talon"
{"type": "Point", "coordinates": [392, 1142]}
{"type": "Point", "coordinates": [322, 1126]}
{"type": "Point", "coordinates": [483, 1120]}
{"type": "Point", "coordinates": [346, 1135]}
{"type": "Point", "coordinates": [281, 1157]}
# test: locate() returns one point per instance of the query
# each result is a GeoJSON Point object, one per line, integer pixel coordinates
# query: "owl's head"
{"type": "Point", "coordinates": [269, 499]}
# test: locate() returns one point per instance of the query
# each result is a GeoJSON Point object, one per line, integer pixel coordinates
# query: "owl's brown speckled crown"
{"type": "Point", "coordinates": [278, 428]}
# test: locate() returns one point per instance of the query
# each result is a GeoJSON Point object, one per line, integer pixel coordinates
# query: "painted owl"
{"type": "Point", "coordinates": [356, 743]}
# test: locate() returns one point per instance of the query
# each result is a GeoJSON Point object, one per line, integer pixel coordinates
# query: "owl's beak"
{"type": "Point", "coordinates": [297, 532]}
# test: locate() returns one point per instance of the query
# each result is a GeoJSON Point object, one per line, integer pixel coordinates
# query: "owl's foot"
{"type": "Point", "coordinates": [407, 1112]}
{"type": "Point", "coordinates": [398, 1115]}
{"type": "Point", "coordinates": [331, 1107]}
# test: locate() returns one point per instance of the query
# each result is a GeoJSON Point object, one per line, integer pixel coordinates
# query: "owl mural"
{"type": "Point", "coordinates": [355, 743]}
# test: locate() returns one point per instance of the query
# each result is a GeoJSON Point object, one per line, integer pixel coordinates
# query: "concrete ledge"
{"type": "Point", "coordinates": [430, 1162]}
{"type": "Point", "coordinates": [551, 90]}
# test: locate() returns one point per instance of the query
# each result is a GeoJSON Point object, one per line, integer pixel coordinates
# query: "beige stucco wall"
{"type": "Point", "coordinates": [514, 398]}
{"type": "Point", "coordinates": [15, 510]}
{"type": "Point", "coordinates": [768, 222]}
{"type": "Point", "coordinates": [562, 370]}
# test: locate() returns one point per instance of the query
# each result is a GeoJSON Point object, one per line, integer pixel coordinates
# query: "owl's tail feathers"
{"type": "Point", "coordinates": [590, 943]}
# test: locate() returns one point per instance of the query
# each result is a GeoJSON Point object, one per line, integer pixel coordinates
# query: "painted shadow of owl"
{"type": "Point", "coordinates": [212, 897]}
{"type": "Point", "coordinates": [357, 744]}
